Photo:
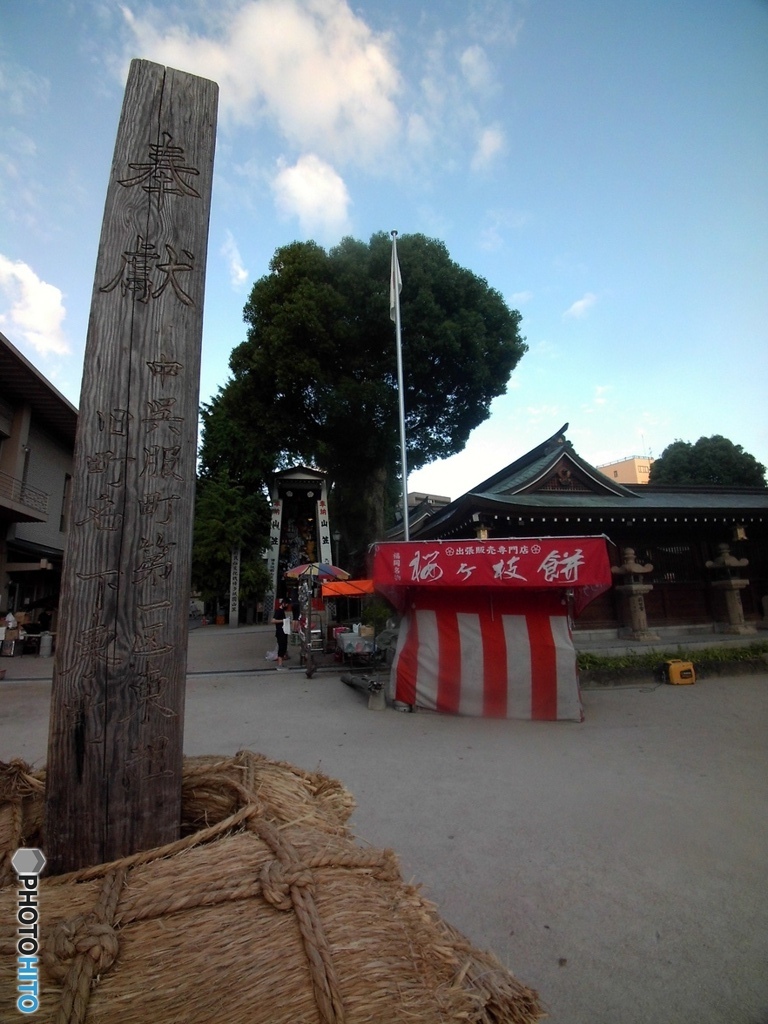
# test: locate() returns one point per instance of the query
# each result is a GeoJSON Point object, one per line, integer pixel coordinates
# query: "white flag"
{"type": "Point", "coordinates": [395, 282]}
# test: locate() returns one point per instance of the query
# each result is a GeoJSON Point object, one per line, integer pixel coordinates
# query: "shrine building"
{"type": "Point", "coordinates": [703, 543]}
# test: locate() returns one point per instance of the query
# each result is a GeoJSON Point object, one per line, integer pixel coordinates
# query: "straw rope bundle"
{"type": "Point", "coordinates": [269, 914]}
{"type": "Point", "coordinates": [213, 788]}
{"type": "Point", "coordinates": [22, 812]}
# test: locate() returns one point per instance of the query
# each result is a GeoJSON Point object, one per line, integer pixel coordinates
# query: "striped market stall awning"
{"type": "Point", "coordinates": [486, 625]}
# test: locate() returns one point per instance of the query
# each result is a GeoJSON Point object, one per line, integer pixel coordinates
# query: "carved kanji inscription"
{"type": "Point", "coordinates": [119, 673]}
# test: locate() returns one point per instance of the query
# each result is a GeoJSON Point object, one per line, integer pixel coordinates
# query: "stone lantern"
{"type": "Point", "coordinates": [633, 590]}
{"type": "Point", "coordinates": [727, 579]}
{"type": "Point", "coordinates": [481, 524]}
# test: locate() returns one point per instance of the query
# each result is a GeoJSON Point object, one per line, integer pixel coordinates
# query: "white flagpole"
{"type": "Point", "coordinates": [395, 284]}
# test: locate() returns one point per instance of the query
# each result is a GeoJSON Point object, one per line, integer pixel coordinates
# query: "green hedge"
{"type": "Point", "coordinates": [651, 659]}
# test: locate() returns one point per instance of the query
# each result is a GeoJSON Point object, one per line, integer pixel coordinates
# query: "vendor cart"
{"type": "Point", "coordinates": [486, 625]}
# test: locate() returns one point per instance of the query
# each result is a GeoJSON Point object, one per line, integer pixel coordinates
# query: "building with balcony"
{"type": "Point", "coordinates": [635, 469]}
{"type": "Point", "coordinates": [37, 441]}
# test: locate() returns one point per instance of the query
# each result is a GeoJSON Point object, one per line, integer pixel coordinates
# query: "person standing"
{"type": "Point", "coordinates": [278, 620]}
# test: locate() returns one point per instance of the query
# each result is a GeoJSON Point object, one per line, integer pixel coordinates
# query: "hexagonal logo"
{"type": "Point", "coordinates": [28, 862]}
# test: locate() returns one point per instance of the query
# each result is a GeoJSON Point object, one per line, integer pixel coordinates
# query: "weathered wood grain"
{"type": "Point", "coordinates": [117, 706]}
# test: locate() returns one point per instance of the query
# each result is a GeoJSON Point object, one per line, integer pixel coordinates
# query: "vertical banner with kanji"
{"type": "Point", "coordinates": [273, 555]}
{"type": "Point", "coordinates": [115, 743]}
{"type": "Point", "coordinates": [234, 588]}
{"type": "Point", "coordinates": [324, 533]}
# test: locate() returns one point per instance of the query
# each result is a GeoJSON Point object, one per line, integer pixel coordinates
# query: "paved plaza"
{"type": "Point", "coordinates": [618, 866]}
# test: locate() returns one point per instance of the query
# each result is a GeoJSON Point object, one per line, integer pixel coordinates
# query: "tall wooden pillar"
{"type": "Point", "coordinates": [117, 706]}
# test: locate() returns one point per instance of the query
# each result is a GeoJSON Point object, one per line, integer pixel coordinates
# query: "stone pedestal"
{"type": "Point", "coordinates": [633, 591]}
{"type": "Point", "coordinates": [633, 594]}
{"type": "Point", "coordinates": [736, 624]}
{"type": "Point", "coordinates": [726, 569]}
{"type": "Point", "coordinates": [377, 700]}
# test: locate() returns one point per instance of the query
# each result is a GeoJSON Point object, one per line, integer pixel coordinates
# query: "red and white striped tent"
{"type": "Point", "coordinates": [486, 624]}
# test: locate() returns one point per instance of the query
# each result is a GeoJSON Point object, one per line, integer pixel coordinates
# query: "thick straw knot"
{"type": "Point", "coordinates": [277, 879]}
{"type": "Point", "coordinates": [17, 781]}
{"type": "Point", "coordinates": [82, 935]}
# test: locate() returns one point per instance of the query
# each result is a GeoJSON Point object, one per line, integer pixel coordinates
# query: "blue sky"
{"type": "Point", "coordinates": [601, 163]}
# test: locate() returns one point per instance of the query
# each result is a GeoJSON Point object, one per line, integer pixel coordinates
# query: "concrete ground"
{"type": "Point", "coordinates": [617, 866]}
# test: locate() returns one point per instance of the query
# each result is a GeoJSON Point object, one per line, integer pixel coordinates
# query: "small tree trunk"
{"type": "Point", "coordinates": [359, 510]}
{"type": "Point", "coordinates": [375, 492]}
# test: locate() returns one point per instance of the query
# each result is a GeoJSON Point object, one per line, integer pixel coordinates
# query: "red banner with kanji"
{"type": "Point", "coordinates": [539, 562]}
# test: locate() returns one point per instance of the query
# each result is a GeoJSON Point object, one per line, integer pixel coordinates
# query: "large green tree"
{"type": "Point", "coordinates": [711, 461]}
{"type": "Point", "coordinates": [316, 379]}
{"type": "Point", "coordinates": [227, 517]}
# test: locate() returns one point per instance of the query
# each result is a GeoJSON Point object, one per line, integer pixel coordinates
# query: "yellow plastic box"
{"type": "Point", "coordinates": [679, 672]}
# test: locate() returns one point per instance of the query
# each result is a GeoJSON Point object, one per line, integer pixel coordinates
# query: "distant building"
{"type": "Point", "coordinates": [633, 470]}
{"type": "Point", "coordinates": [421, 506]}
{"type": "Point", "coordinates": [37, 441]}
{"type": "Point", "coordinates": [416, 498]}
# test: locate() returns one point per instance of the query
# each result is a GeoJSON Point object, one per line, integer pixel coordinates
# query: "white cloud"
{"type": "Point", "coordinates": [419, 133]}
{"type": "Point", "coordinates": [490, 143]}
{"type": "Point", "coordinates": [537, 413]}
{"type": "Point", "coordinates": [20, 144]}
{"type": "Point", "coordinates": [36, 310]}
{"type": "Point", "coordinates": [499, 223]}
{"type": "Point", "coordinates": [238, 275]}
{"type": "Point", "coordinates": [542, 352]}
{"type": "Point", "coordinates": [476, 68]}
{"type": "Point", "coordinates": [490, 238]}
{"type": "Point", "coordinates": [312, 68]}
{"type": "Point", "coordinates": [21, 90]}
{"type": "Point", "coordinates": [436, 80]}
{"type": "Point", "coordinates": [600, 399]}
{"type": "Point", "coordinates": [19, 171]}
{"type": "Point", "coordinates": [497, 22]}
{"type": "Point", "coordinates": [317, 74]}
{"type": "Point", "coordinates": [312, 191]}
{"type": "Point", "coordinates": [580, 307]}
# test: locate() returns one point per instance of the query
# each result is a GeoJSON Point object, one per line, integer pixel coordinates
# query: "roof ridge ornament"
{"type": "Point", "coordinates": [558, 439]}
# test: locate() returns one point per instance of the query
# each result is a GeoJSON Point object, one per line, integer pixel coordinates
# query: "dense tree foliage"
{"type": "Point", "coordinates": [227, 517]}
{"type": "Point", "coordinates": [316, 379]}
{"type": "Point", "coordinates": [711, 460]}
